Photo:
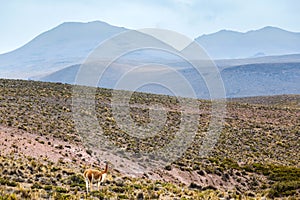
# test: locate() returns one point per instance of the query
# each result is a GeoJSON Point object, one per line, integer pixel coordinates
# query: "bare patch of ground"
{"type": "Point", "coordinates": [20, 142]}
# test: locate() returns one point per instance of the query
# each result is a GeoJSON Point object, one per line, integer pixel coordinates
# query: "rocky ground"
{"type": "Point", "coordinates": [43, 155]}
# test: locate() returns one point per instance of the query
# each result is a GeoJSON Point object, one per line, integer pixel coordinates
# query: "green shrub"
{"type": "Point", "coordinates": [48, 187]}
{"type": "Point", "coordinates": [286, 178]}
{"type": "Point", "coordinates": [9, 197]}
{"type": "Point", "coordinates": [61, 190]}
{"type": "Point", "coordinates": [7, 182]}
{"type": "Point", "coordinates": [286, 188]}
{"type": "Point", "coordinates": [36, 186]}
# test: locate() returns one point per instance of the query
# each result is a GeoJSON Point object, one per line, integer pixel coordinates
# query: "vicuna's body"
{"type": "Point", "coordinates": [93, 175]}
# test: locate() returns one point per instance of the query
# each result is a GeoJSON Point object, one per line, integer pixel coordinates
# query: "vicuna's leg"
{"type": "Point", "coordinates": [91, 182]}
{"type": "Point", "coordinates": [87, 185]}
{"type": "Point", "coordinates": [91, 186]}
{"type": "Point", "coordinates": [99, 182]}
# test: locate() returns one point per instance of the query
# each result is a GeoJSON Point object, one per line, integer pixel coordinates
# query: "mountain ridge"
{"type": "Point", "coordinates": [49, 56]}
{"type": "Point", "coordinates": [65, 44]}
{"type": "Point", "coordinates": [71, 42]}
{"type": "Point", "coordinates": [233, 44]}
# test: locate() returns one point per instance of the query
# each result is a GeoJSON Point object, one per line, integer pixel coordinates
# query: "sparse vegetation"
{"type": "Point", "coordinates": [256, 155]}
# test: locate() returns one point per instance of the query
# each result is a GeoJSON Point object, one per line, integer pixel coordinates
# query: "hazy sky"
{"type": "Point", "coordinates": [22, 20]}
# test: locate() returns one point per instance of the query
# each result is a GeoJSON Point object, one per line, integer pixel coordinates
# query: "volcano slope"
{"type": "Point", "coordinates": [43, 156]}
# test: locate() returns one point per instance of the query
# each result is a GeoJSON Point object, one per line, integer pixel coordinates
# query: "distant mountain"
{"type": "Point", "coordinates": [71, 42]}
{"type": "Point", "coordinates": [262, 79]}
{"type": "Point", "coordinates": [267, 41]}
{"type": "Point", "coordinates": [291, 58]}
{"type": "Point", "coordinates": [56, 56]}
{"type": "Point", "coordinates": [64, 45]}
{"type": "Point", "coordinates": [65, 75]}
{"type": "Point", "coordinates": [259, 79]}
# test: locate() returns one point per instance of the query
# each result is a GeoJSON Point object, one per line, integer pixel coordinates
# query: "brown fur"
{"type": "Point", "coordinates": [91, 175]}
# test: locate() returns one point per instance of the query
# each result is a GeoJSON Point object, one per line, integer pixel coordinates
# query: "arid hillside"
{"type": "Point", "coordinates": [43, 155]}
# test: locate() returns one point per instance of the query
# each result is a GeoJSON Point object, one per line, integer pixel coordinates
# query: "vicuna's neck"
{"type": "Point", "coordinates": [106, 168]}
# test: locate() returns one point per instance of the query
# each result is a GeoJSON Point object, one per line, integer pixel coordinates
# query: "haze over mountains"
{"type": "Point", "coordinates": [260, 65]}
{"type": "Point", "coordinates": [66, 44]}
{"type": "Point", "coordinates": [263, 42]}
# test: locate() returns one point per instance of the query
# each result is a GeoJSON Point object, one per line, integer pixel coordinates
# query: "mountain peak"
{"type": "Point", "coordinates": [269, 29]}
{"type": "Point", "coordinates": [67, 43]}
{"type": "Point", "coordinates": [232, 44]}
{"type": "Point", "coordinates": [97, 24]}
